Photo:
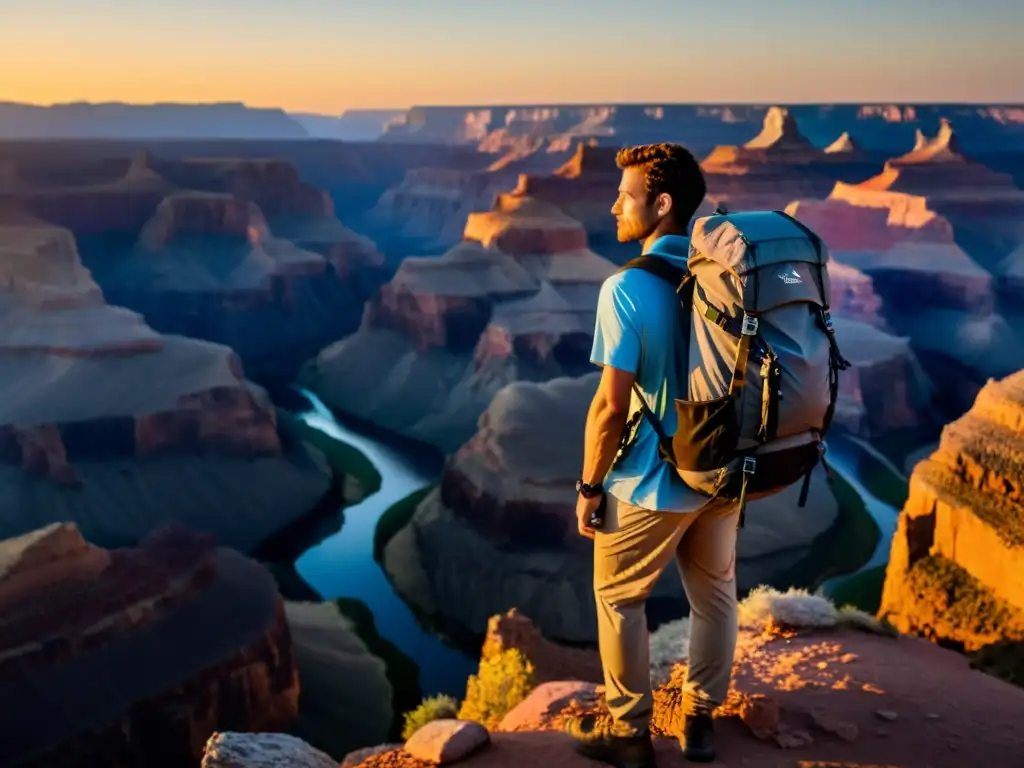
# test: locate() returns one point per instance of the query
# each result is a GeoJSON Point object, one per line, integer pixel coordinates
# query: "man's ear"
{"type": "Point", "coordinates": [663, 204]}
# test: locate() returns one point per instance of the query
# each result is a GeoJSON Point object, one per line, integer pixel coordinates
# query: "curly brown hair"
{"type": "Point", "coordinates": [671, 169]}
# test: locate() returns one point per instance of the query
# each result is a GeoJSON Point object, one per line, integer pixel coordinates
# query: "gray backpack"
{"type": "Point", "coordinates": [763, 360]}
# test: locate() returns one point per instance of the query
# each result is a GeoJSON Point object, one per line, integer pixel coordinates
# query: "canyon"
{"type": "Point", "coordinates": [237, 252]}
{"type": "Point", "coordinates": [515, 300]}
{"type": "Point", "coordinates": [444, 290]}
{"type": "Point", "coordinates": [101, 412]}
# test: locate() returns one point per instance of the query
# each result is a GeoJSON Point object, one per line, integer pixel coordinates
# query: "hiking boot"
{"type": "Point", "coordinates": [607, 746]}
{"type": "Point", "coordinates": [698, 740]}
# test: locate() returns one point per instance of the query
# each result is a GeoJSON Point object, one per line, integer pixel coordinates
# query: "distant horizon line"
{"type": "Point", "coordinates": [527, 104]}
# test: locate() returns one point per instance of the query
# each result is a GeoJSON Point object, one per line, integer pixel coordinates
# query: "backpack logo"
{"type": "Point", "coordinates": [790, 276]}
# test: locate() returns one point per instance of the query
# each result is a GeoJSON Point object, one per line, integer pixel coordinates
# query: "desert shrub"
{"type": "Point", "coordinates": [501, 682]}
{"type": "Point", "coordinates": [432, 708]}
{"type": "Point", "coordinates": [799, 609]}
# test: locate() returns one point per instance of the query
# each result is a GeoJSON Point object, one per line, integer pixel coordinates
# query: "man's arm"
{"type": "Point", "coordinates": [606, 420]}
{"type": "Point", "coordinates": [617, 350]}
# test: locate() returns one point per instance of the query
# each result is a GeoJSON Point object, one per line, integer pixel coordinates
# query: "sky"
{"type": "Point", "coordinates": [326, 56]}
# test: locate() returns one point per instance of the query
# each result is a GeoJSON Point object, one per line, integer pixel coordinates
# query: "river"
{"type": "Point", "coordinates": [843, 457]}
{"type": "Point", "coordinates": [343, 565]}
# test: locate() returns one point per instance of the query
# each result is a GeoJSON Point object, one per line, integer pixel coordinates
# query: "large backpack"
{"type": "Point", "coordinates": [763, 363]}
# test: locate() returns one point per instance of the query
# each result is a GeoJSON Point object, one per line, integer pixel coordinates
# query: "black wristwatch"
{"type": "Point", "coordinates": [588, 491]}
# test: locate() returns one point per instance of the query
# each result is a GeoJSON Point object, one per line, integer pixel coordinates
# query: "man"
{"type": "Point", "coordinates": [651, 515]}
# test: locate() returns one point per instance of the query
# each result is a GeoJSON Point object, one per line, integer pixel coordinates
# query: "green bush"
{"type": "Point", "coordinates": [433, 708]}
{"type": "Point", "coordinates": [501, 682]}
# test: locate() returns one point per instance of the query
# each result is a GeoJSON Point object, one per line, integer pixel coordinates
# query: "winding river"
{"type": "Point", "coordinates": [343, 565]}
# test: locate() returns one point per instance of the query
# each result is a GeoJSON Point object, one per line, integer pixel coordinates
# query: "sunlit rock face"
{"type": "Point", "coordinates": [955, 571]}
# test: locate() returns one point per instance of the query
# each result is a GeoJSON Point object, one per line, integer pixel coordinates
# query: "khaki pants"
{"type": "Point", "coordinates": [629, 555]}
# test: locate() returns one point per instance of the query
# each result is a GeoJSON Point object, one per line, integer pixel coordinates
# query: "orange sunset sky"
{"type": "Point", "coordinates": [329, 55]}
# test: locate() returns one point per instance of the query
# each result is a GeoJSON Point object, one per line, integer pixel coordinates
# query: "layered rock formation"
{"type": "Point", "coordinates": [699, 126]}
{"type": "Point", "coordinates": [101, 661]}
{"type": "Point", "coordinates": [241, 252]}
{"type": "Point", "coordinates": [955, 571]}
{"type": "Point", "coordinates": [505, 511]}
{"type": "Point", "coordinates": [99, 412]}
{"type": "Point", "coordinates": [775, 166]}
{"type": "Point", "coordinates": [984, 206]}
{"type": "Point", "coordinates": [429, 208]}
{"type": "Point", "coordinates": [901, 228]}
{"type": "Point", "coordinates": [515, 300]}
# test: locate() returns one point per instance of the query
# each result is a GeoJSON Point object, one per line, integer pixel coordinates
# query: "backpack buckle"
{"type": "Point", "coordinates": [826, 318]}
{"type": "Point", "coordinates": [749, 465]}
{"type": "Point", "coordinates": [749, 325]}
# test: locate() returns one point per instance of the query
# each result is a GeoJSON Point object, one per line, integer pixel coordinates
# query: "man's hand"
{"type": "Point", "coordinates": [584, 508]}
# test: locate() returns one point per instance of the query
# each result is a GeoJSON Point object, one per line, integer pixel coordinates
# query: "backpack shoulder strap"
{"type": "Point", "coordinates": [658, 267]}
{"type": "Point", "coordinates": [683, 282]}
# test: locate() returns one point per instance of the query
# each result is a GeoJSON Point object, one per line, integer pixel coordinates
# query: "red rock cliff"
{"type": "Point", "coordinates": [956, 570]}
{"type": "Point", "coordinates": [84, 625]}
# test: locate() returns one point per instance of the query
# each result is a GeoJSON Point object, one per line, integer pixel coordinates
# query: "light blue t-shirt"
{"type": "Point", "coordinates": [638, 330]}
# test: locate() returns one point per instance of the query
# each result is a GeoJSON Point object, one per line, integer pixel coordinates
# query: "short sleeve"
{"type": "Point", "coordinates": [617, 328]}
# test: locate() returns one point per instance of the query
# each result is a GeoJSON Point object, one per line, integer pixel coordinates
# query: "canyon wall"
{"type": "Point", "coordinates": [100, 412]}
{"type": "Point", "coordinates": [236, 251]}
{"type": "Point", "coordinates": [114, 641]}
{"type": "Point", "coordinates": [955, 572]}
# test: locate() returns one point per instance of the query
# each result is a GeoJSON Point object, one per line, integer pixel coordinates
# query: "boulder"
{"type": "Point", "coordinates": [262, 750]}
{"type": "Point", "coordinates": [443, 742]}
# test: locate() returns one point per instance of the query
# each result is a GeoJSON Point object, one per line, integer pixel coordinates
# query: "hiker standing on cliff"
{"type": "Point", "coordinates": [650, 515]}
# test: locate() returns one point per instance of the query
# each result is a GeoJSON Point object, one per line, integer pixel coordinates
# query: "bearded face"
{"type": "Point", "coordinates": [635, 210]}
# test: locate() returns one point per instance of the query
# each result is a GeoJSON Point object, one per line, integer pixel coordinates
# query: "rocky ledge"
{"type": "Point", "coordinates": [118, 642]}
{"type": "Point", "coordinates": [515, 300]}
{"type": "Point", "coordinates": [99, 412]}
{"type": "Point", "coordinates": [812, 686]}
{"type": "Point", "coordinates": [504, 511]}
{"type": "Point", "coordinates": [955, 572]}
